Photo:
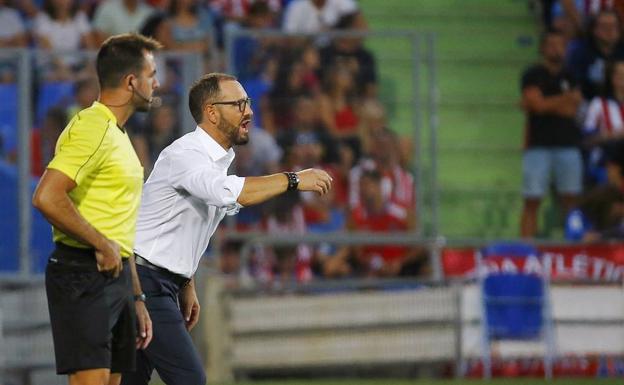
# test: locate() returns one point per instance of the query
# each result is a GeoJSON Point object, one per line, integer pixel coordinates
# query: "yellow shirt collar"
{"type": "Point", "coordinates": [105, 110]}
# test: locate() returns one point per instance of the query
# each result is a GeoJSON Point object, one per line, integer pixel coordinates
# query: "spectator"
{"type": "Point", "coordinates": [159, 26]}
{"type": "Point", "coordinates": [260, 156]}
{"type": "Point", "coordinates": [588, 59]}
{"type": "Point", "coordinates": [253, 54]}
{"type": "Point", "coordinates": [86, 92]}
{"type": "Point", "coordinates": [329, 261]}
{"type": "Point", "coordinates": [237, 10]}
{"type": "Point", "coordinates": [314, 16]}
{"type": "Point", "coordinates": [61, 26]}
{"type": "Point", "coordinates": [310, 59]}
{"type": "Point", "coordinates": [162, 6]}
{"type": "Point", "coordinates": [192, 26]}
{"type": "Point", "coordinates": [230, 14]}
{"type": "Point", "coordinates": [120, 16]}
{"type": "Point", "coordinates": [338, 109]}
{"type": "Point", "coordinates": [397, 183]}
{"type": "Point", "coordinates": [550, 100]}
{"type": "Point", "coordinates": [13, 32]}
{"type": "Point", "coordinates": [43, 140]}
{"type": "Point", "coordinates": [599, 216]}
{"type": "Point", "coordinates": [285, 216]}
{"type": "Point", "coordinates": [230, 263]}
{"type": "Point", "coordinates": [12, 35]}
{"type": "Point", "coordinates": [306, 122]}
{"type": "Point", "coordinates": [615, 165]}
{"type": "Point", "coordinates": [29, 9]}
{"type": "Point", "coordinates": [373, 121]}
{"type": "Point", "coordinates": [161, 129]}
{"type": "Point", "coordinates": [350, 53]}
{"type": "Point", "coordinates": [575, 13]}
{"type": "Point", "coordinates": [374, 213]}
{"type": "Point", "coordinates": [279, 113]}
{"type": "Point", "coordinates": [604, 123]}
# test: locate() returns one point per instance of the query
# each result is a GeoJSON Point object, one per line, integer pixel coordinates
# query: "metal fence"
{"type": "Point", "coordinates": [22, 145]}
{"type": "Point", "coordinates": [406, 88]}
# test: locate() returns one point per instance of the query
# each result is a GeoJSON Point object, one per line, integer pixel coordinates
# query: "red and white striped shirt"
{"type": "Point", "coordinates": [604, 116]}
{"type": "Point", "coordinates": [238, 9]}
{"type": "Point", "coordinates": [397, 184]}
{"type": "Point", "coordinates": [593, 7]}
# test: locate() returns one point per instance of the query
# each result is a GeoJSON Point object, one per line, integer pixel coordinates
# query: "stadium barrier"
{"type": "Point", "coordinates": [258, 329]}
{"type": "Point", "coordinates": [430, 327]}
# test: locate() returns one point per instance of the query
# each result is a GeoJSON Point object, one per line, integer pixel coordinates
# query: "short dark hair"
{"type": "Point", "coordinates": [547, 34]}
{"type": "Point", "coordinates": [205, 89]}
{"type": "Point", "coordinates": [371, 173]}
{"type": "Point", "coordinates": [120, 55]}
{"type": "Point", "coordinates": [50, 9]}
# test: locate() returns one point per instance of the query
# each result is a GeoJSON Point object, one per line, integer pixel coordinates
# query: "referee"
{"type": "Point", "coordinates": [185, 197]}
{"type": "Point", "coordinates": [90, 193]}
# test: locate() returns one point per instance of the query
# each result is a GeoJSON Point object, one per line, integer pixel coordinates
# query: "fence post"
{"type": "Point", "coordinates": [218, 359]}
{"type": "Point", "coordinates": [432, 103]}
{"type": "Point", "coordinates": [417, 117]}
{"type": "Point", "coordinates": [24, 127]}
{"type": "Point", "coordinates": [192, 69]}
{"type": "Point", "coordinates": [460, 367]}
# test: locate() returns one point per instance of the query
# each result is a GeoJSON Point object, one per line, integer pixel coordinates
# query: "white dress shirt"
{"type": "Point", "coordinates": [185, 197]}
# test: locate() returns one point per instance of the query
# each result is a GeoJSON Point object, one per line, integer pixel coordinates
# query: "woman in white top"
{"type": "Point", "coordinates": [62, 27]}
{"type": "Point", "coordinates": [604, 122]}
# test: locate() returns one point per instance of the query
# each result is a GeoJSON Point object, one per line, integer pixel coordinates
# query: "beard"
{"type": "Point", "coordinates": [142, 104]}
{"type": "Point", "coordinates": [233, 132]}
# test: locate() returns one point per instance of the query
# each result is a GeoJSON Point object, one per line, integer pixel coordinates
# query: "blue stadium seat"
{"type": "Point", "coordinates": [515, 301]}
{"type": "Point", "coordinates": [51, 95]}
{"type": "Point", "coordinates": [256, 89]}
{"type": "Point", "coordinates": [8, 119]}
{"type": "Point", "coordinates": [41, 240]}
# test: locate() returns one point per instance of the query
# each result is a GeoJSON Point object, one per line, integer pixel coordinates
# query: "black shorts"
{"type": "Point", "coordinates": [93, 316]}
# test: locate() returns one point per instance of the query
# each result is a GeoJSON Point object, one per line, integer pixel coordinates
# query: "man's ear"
{"type": "Point", "coordinates": [128, 82]}
{"type": "Point", "coordinates": [211, 114]}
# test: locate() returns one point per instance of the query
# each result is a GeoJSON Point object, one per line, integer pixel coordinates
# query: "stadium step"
{"type": "Point", "coordinates": [482, 46]}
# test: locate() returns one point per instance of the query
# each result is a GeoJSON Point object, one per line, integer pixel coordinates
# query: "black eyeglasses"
{"type": "Point", "coordinates": [242, 103]}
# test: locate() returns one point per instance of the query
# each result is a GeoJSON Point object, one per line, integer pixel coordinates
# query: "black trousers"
{"type": "Point", "coordinates": [171, 351]}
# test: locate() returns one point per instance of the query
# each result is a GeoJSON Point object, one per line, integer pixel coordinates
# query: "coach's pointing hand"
{"type": "Point", "coordinates": [108, 258]}
{"type": "Point", "coordinates": [313, 179]}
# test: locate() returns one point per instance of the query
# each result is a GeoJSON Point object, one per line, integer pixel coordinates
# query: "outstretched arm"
{"type": "Point", "coordinates": [262, 188]}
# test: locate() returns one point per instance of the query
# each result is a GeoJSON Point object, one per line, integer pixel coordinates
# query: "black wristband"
{"type": "Point", "coordinates": [293, 180]}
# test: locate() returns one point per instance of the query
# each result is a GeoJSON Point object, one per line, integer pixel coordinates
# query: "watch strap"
{"type": "Point", "coordinates": [293, 180]}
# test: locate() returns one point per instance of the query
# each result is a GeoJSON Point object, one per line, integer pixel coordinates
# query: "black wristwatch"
{"type": "Point", "coordinates": [293, 180]}
{"type": "Point", "coordinates": [140, 297]}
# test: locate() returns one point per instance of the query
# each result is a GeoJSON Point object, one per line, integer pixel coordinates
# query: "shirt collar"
{"type": "Point", "coordinates": [105, 110]}
{"type": "Point", "coordinates": [214, 149]}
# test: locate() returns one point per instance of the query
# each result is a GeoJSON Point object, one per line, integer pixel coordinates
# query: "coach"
{"type": "Point", "coordinates": [185, 197]}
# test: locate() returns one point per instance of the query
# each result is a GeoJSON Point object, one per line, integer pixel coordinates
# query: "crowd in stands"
{"type": "Point", "coordinates": [574, 103]}
{"type": "Point", "coordinates": [315, 103]}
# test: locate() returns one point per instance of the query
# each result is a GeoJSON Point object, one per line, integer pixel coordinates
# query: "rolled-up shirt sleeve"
{"type": "Point", "coordinates": [207, 182]}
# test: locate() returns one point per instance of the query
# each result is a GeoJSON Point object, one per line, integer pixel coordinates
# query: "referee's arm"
{"type": "Point", "coordinates": [52, 199]}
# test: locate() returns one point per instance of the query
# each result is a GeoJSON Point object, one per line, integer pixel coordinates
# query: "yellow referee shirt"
{"type": "Point", "coordinates": [94, 152]}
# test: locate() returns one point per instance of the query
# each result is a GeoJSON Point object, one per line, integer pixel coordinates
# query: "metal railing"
{"type": "Point", "coordinates": [25, 62]}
